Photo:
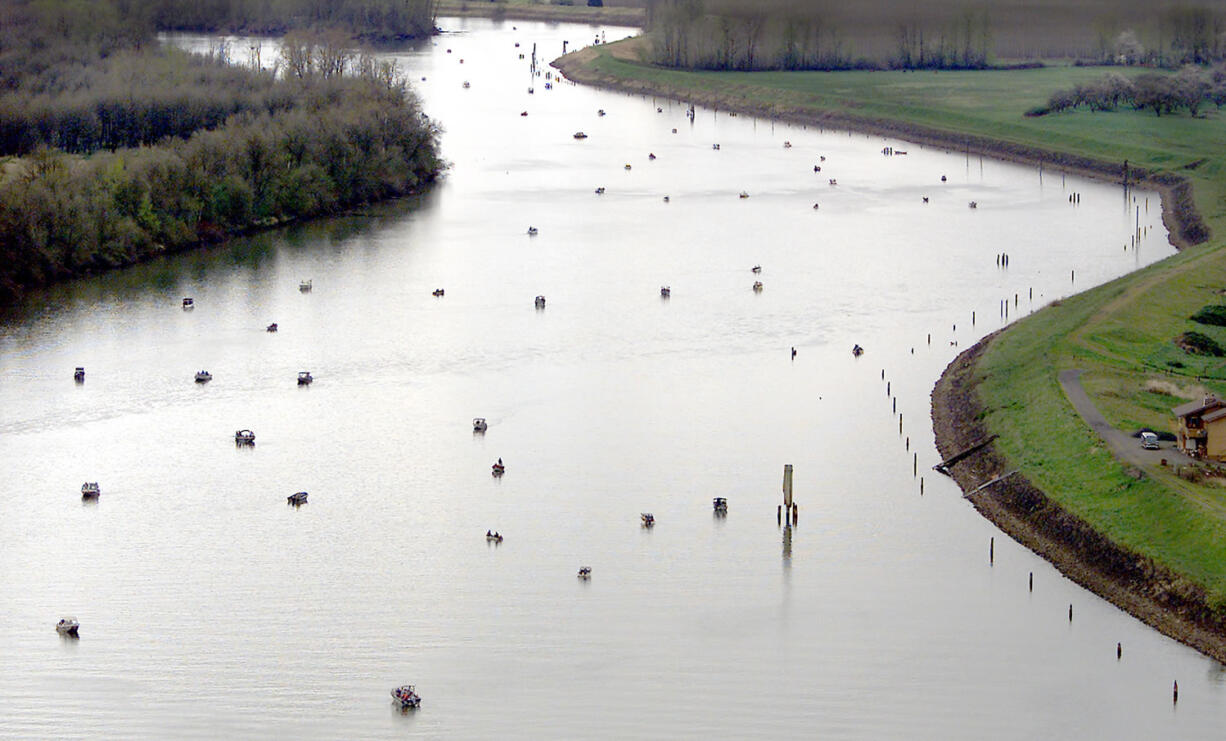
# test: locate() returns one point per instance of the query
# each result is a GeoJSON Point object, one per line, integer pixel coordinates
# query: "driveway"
{"type": "Point", "coordinates": [1123, 445]}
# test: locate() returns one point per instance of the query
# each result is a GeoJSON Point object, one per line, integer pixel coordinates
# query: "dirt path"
{"type": "Point", "coordinates": [1122, 445]}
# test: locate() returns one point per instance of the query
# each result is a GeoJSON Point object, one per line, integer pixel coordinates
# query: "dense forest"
{"type": "Point", "coordinates": [372, 19]}
{"type": "Point", "coordinates": [114, 149]}
{"type": "Point", "coordinates": [936, 34]}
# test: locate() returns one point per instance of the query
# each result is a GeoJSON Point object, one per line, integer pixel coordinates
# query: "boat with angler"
{"type": "Point", "coordinates": [79, 375]}
{"type": "Point", "coordinates": [271, 327]}
{"type": "Point", "coordinates": [757, 286]}
{"type": "Point", "coordinates": [600, 191]}
{"type": "Point", "coordinates": [498, 469]}
{"type": "Point", "coordinates": [67, 626]}
{"type": "Point", "coordinates": [744, 194]}
{"type": "Point", "coordinates": [479, 424]}
{"type": "Point", "coordinates": [203, 376]}
{"type": "Point", "coordinates": [857, 351]}
{"type": "Point", "coordinates": [304, 286]}
{"type": "Point", "coordinates": [533, 231]}
{"type": "Point", "coordinates": [665, 291]}
{"type": "Point", "coordinates": [720, 505]}
{"type": "Point", "coordinates": [297, 498]}
{"type": "Point", "coordinates": [493, 537]}
{"type": "Point", "coordinates": [756, 269]}
{"type": "Point", "coordinates": [585, 572]}
{"type": "Point", "coordinates": [90, 490]}
{"type": "Point", "coordinates": [305, 378]}
{"type": "Point", "coordinates": [439, 292]}
{"type": "Point", "coordinates": [407, 697]}
{"type": "Point", "coordinates": [580, 135]}
{"type": "Point", "coordinates": [244, 437]}
{"type": "Point", "coordinates": [540, 302]}
{"type": "Point", "coordinates": [649, 520]}
{"type": "Point", "coordinates": [189, 303]}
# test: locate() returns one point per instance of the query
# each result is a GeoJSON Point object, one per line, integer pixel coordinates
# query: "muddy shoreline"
{"type": "Point", "coordinates": [1179, 214]}
{"type": "Point", "coordinates": [1151, 593]}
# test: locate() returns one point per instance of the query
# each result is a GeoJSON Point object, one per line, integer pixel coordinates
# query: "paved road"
{"type": "Point", "coordinates": [1123, 445]}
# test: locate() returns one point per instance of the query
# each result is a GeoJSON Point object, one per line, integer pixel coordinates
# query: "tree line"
{"type": "Point", "coordinates": [1188, 89]}
{"type": "Point", "coordinates": [371, 19]}
{"type": "Point", "coordinates": [116, 150]}
{"type": "Point", "coordinates": [936, 34]}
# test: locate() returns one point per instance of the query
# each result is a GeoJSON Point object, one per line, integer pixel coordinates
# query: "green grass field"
{"type": "Point", "coordinates": [1120, 334]}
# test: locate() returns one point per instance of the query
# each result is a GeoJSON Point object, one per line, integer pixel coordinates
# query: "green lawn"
{"type": "Point", "coordinates": [1120, 334]}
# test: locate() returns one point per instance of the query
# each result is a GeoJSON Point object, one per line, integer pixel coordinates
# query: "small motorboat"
{"type": "Point", "coordinates": [857, 351]}
{"type": "Point", "coordinates": [304, 286]}
{"type": "Point", "coordinates": [189, 303]}
{"type": "Point", "coordinates": [627, 165]}
{"type": "Point", "coordinates": [203, 376]}
{"type": "Point", "coordinates": [833, 181]}
{"type": "Point", "coordinates": [67, 626]}
{"type": "Point", "coordinates": [407, 697]}
{"type": "Point", "coordinates": [600, 112]}
{"type": "Point", "coordinates": [651, 156]}
{"type": "Point", "coordinates": [757, 286]}
{"type": "Point", "coordinates": [900, 151]}
{"type": "Point", "coordinates": [305, 378]}
{"type": "Point", "coordinates": [493, 537]}
{"type": "Point", "coordinates": [665, 291]}
{"type": "Point", "coordinates": [649, 520]}
{"type": "Point", "coordinates": [666, 199]}
{"type": "Point", "coordinates": [297, 499]}
{"type": "Point", "coordinates": [467, 85]}
{"type": "Point", "coordinates": [715, 147]}
{"type": "Point", "coordinates": [540, 302]}
{"type": "Point", "coordinates": [530, 90]}
{"type": "Point", "coordinates": [720, 505]}
{"type": "Point", "coordinates": [659, 109]}
{"type": "Point", "coordinates": [925, 199]}
{"type": "Point", "coordinates": [973, 204]}
{"type": "Point", "coordinates": [744, 194]}
{"type": "Point", "coordinates": [533, 231]}
{"type": "Point", "coordinates": [756, 269]}
{"type": "Point", "coordinates": [674, 131]}
{"type": "Point", "coordinates": [479, 424]}
{"type": "Point", "coordinates": [244, 437]}
{"type": "Point", "coordinates": [816, 206]}
{"type": "Point", "coordinates": [498, 469]}
{"type": "Point", "coordinates": [787, 145]}
{"type": "Point", "coordinates": [439, 292]}
{"type": "Point", "coordinates": [523, 113]}
{"type": "Point", "coordinates": [942, 178]}
{"type": "Point", "coordinates": [549, 86]}
{"type": "Point", "coordinates": [90, 490]}
{"type": "Point", "coordinates": [600, 191]}
{"type": "Point", "coordinates": [79, 374]}
{"type": "Point", "coordinates": [585, 572]}
{"type": "Point", "coordinates": [580, 135]}
{"type": "Point", "coordinates": [271, 327]}
{"type": "Point", "coordinates": [817, 168]}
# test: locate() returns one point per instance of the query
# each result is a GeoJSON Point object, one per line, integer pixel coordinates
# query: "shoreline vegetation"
{"type": "Point", "coordinates": [114, 149]}
{"type": "Point", "coordinates": [611, 13]}
{"type": "Point", "coordinates": [1148, 541]}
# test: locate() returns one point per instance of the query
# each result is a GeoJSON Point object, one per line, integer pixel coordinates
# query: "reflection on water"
{"type": "Point", "coordinates": [209, 608]}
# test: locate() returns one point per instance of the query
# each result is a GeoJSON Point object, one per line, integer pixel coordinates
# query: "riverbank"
{"type": "Point", "coordinates": [524, 11]}
{"type": "Point", "coordinates": [1149, 542]}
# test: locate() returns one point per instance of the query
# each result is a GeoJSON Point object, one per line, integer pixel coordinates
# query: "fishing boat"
{"type": "Point", "coordinates": [627, 166]}
{"type": "Point", "coordinates": [744, 194]}
{"type": "Point", "coordinates": [304, 286]}
{"type": "Point", "coordinates": [467, 85]}
{"type": "Point", "coordinates": [479, 424]}
{"type": "Point", "coordinates": [305, 378]}
{"type": "Point", "coordinates": [498, 469]}
{"type": "Point", "coordinates": [651, 156]}
{"type": "Point", "coordinates": [580, 135]}
{"type": "Point", "coordinates": [67, 626]}
{"type": "Point", "coordinates": [271, 327]}
{"type": "Point", "coordinates": [533, 231]}
{"type": "Point", "coordinates": [787, 145]}
{"type": "Point", "coordinates": [649, 520]}
{"type": "Point", "coordinates": [79, 374]}
{"type": "Point", "coordinates": [756, 269]}
{"type": "Point", "coordinates": [834, 181]}
{"type": "Point", "coordinates": [407, 697]}
{"type": "Point", "coordinates": [540, 302]}
{"type": "Point", "coordinates": [189, 303]}
{"type": "Point", "coordinates": [600, 112]}
{"type": "Point", "coordinates": [857, 351]}
{"type": "Point", "coordinates": [973, 204]}
{"type": "Point", "coordinates": [493, 537]}
{"type": "Point", "coordinates": [665, 291]}
{"type": "Point", "coordinates": [297, 498]}
{"type": "Point", "coordinates": [203, 376]}
{"type": "Point", "coordinates": [757, 286]}
{"type": "Point", "coordinates": [720, 505]}
{"type": "Point", "coordinates": [90, 490]}
{"type": "Point", "coordinates": [666, 199]}
{"type": "Point", "coordinates": [585, 572]}
{"type": "Point", "coordinates": [244, 437]}
{"type": "Point", "coordinates": [600, 191]}
{"type": "Point", "coordinates": [715, 147]}
{"type": "Point", "coordinates": [439, 292]}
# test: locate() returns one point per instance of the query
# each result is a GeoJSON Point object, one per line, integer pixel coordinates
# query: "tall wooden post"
{"type": "Point", "coordinates": [787, 487]}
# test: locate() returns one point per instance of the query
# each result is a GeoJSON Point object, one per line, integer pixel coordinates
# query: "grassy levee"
{"type": "Point", "coordinates": [1120, 334]}
{"type": "Point", "coordinates": [617, 12]}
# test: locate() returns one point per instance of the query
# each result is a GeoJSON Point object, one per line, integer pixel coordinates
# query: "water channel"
{"type": "Point", "coordinates": [210, 608]}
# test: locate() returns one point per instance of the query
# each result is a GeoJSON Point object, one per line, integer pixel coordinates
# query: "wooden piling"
{"type": "Point", "coordinates": [972, 324]}
{"type": "Point", "coordinates": [914, 464]}
{"type": "Point", "coordinates": [894, 407]}
{"type": "Point", "coordinates": [1175, 692]}
{"type": "Point", "coordinates": [1070, 612]}
{"type": "Point", "coordinates": [908, 442]}
{"type": "Point", "coordinates": [787, 485]}
{"type": "Point", "coordinates": [900, 423]}
{"type": "Point", "coordinates": [992, 549]}
{"type": "Point", "coordinates": [1119, 651]}
{"type": "Point", "coordinates": [1032, 581]}
{"type": "Point", "coordinates": [921, 486]}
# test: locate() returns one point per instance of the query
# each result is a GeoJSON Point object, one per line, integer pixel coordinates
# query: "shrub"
{"type": "Point", "coordinates": [1195, 343]}
{"type": "Point", "coordinates": [1214, 314]}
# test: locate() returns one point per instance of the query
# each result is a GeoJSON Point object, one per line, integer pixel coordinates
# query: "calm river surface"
{"type": "Point", "coordinates": [209, 608]}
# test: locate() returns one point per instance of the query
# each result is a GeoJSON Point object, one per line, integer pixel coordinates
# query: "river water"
{"type": "Point", "coordinates": [210, 608]}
